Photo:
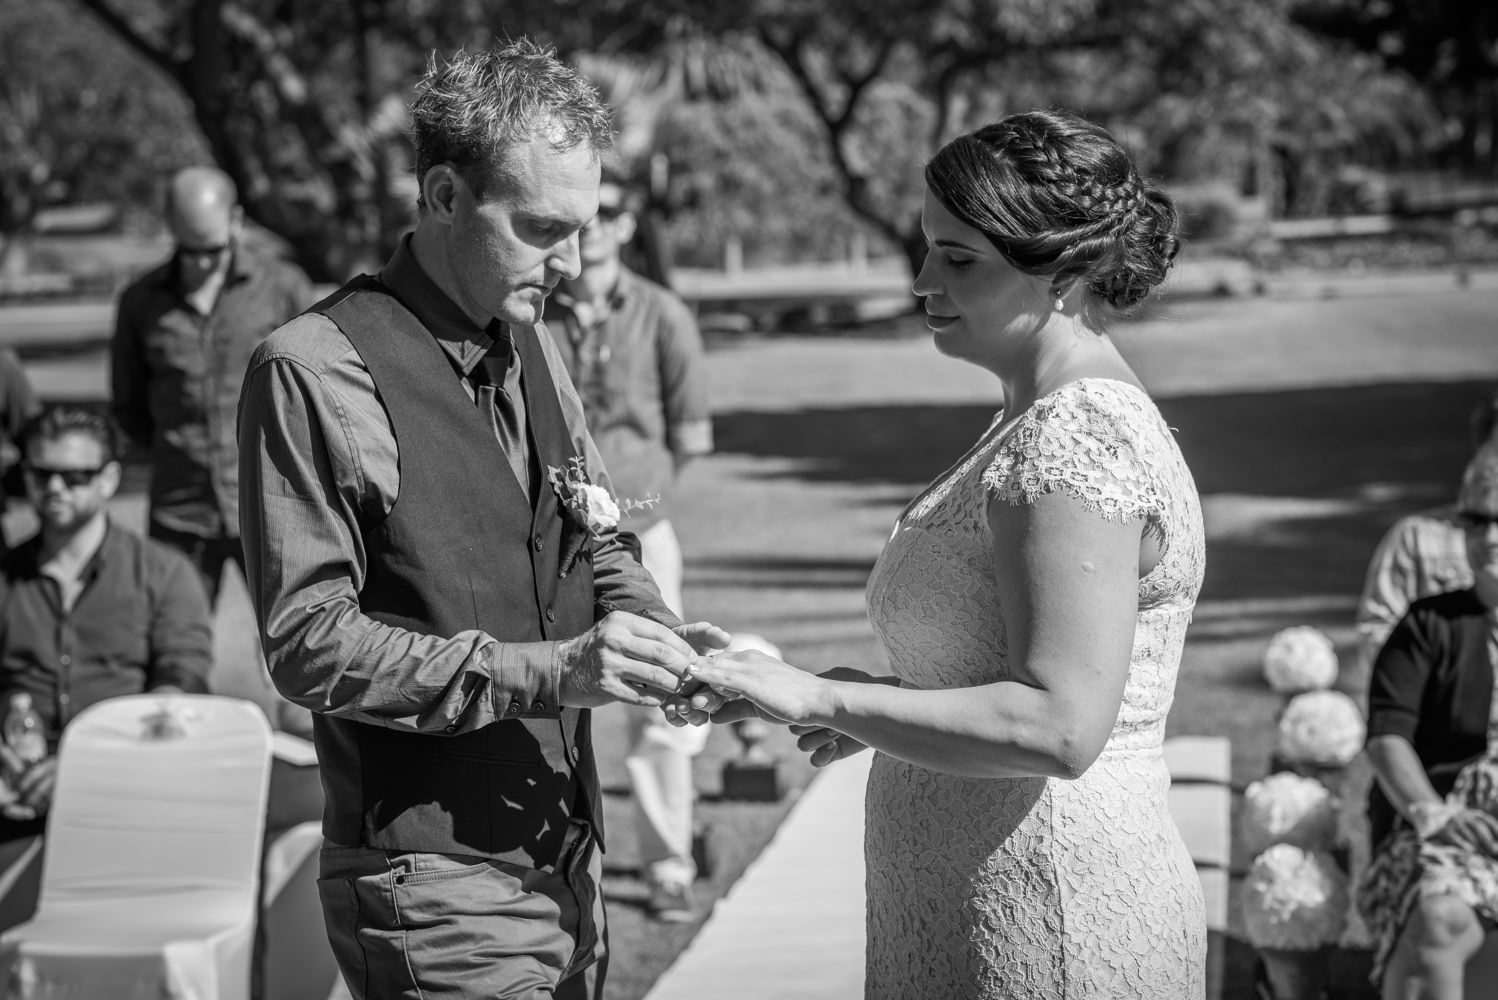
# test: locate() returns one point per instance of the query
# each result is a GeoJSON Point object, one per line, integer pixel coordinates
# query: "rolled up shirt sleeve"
{"type": "Point", "coordinates": [311, 430]}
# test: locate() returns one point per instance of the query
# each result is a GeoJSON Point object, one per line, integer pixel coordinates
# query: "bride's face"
{"type": "Point", "coordinates": [976, 301]}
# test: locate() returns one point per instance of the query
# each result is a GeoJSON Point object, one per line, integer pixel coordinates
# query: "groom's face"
{"type": "Point", "coordinates": [509, 250]}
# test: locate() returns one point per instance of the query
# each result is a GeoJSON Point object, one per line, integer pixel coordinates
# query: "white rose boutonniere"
{"type": "Point", "coordinates": [587, 506]}
{"type": "Point", "coordinates": [599, 509]}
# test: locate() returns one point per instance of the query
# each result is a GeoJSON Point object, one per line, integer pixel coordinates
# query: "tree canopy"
{"type": "Point", "coordinates": [783, 121]}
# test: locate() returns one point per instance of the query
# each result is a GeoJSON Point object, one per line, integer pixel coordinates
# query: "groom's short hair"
{"type": "Point", "coordinates": [472, 107]}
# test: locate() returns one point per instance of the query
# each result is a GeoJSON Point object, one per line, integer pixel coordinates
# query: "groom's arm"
{"type": "Point", "coordinates": [316, 452]}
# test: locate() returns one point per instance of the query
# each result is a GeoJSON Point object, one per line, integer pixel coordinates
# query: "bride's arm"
{"type": "Point", "coordinates": [1068, 591]}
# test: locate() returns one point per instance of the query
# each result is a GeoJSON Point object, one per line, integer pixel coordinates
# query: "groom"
{"type": "Point", "coordinates": [420, 581]}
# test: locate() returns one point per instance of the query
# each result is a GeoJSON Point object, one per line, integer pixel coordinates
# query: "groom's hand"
{"type": "Point", "coordinates": [694, 702]}
{"type": "Point", "coordinates": [624, 658]}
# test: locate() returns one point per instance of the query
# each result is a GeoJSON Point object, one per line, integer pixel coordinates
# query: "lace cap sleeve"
{"type": "Point", "coordinates": [1092, 439]}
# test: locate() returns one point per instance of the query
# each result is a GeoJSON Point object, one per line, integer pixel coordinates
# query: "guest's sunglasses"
{"type": "Point", "coordinates": [1477, 521]}
{"type": "Point", "coordinates": [71, 478]}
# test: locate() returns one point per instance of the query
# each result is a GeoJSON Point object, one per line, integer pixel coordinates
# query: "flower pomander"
{"type": "Point", "coordinates": [1294, 899]}
{"type": "Point", "coordinates": [1299, 659]}
{"type": "Point", "coordinates": [1287, 808]}
{"type": "Point", "coordinates": [1321, 728]}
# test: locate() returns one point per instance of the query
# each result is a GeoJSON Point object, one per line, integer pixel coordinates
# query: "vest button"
{"type": "Point", "coordinates": [538, 706]}
{"type": "Point", "coordinates": [515, 706]}
{"type": "Point", "coordinates": [538, 543]}
{"type": "Point", "coordinates": [576, 754]}
{"type": "Point", "coordinates": [551, 615]}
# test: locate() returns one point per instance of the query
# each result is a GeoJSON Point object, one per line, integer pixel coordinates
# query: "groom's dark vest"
{"type": "Point", "coordinates": [462, 548]}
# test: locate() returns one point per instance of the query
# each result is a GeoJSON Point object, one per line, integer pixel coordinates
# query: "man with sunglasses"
{"type": "Point", "coordinates": [88, 610]}
{"type": "Point", "coordinates": [634, 352]}
{"type": "Point", "coordinates": [183, 337]}
{"type": "Point", "coordinates": [91, 611]}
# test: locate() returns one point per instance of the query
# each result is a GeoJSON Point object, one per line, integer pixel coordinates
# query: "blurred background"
{"type": "Point", "coordinates": [767, 132]}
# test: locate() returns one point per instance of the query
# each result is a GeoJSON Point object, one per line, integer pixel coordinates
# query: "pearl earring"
{"type": "Point", "coordinates": [1060, 303]}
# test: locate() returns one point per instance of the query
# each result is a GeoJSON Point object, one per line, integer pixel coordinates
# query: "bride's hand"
{"type": "Point", "coordinates": [777, 689]}
{"type": "Point", "coordinates": [827, 745]}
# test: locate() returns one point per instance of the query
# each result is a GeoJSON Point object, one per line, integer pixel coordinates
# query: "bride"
{"type": "Point", "coordinates": [1033, 603]}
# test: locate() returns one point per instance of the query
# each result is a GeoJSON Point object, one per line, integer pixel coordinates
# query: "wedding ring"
{"type": "Point", "coordinates": [686, 676]}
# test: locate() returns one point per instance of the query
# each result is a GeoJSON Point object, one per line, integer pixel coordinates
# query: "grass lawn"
{"type": "Point", "coordinates": [1309, 424]}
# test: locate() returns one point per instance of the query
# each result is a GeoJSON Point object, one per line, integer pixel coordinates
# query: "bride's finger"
{"type": "Point", "coordinates": [815, 739]}
{"type": "Point", "coordinates": [825, 754]}
{"type": "Point", "coordinates": [734, 711]}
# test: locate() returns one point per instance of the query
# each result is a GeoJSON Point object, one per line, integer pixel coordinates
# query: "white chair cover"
{"type": "Point", "coordinates": [151, 866]}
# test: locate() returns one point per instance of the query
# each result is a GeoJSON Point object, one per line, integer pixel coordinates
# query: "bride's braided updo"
{"type": "Point", "coordinates": [1056, 195]}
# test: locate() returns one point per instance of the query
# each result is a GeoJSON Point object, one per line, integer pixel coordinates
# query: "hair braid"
{"type": "Point", "coordinates": [1057, 196]}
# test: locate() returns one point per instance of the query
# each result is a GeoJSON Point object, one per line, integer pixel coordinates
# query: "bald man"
{"type": "Point", "coordinates": [183, 337]}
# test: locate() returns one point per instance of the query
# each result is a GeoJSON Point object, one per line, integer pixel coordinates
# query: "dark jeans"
{"type": "Point", "coordinates": [207, 555]}
{"type": "Point", "coordinates": [452, 927]}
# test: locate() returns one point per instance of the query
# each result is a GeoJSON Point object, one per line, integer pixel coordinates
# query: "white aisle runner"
{"type": "Point", "coordinates": [791, 928]}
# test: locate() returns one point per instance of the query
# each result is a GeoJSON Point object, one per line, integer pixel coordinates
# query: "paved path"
{"type": "Point", "coordinates": [792, 927]}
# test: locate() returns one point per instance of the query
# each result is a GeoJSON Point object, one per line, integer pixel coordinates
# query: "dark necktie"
{"type": "Point", "coordinates": [497, 389]}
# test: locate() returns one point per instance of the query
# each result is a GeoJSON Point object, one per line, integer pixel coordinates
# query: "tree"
{"type": "Point", "coordinates": [889, 81]}
{"type": "Point", "coordinates": [79, 119]}
{"type": "Point", "coordinates": [1449, 46]}
{"type": "Point", "coordinates": [304, 104]}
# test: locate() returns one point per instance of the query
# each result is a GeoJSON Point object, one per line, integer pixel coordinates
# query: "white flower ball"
{"type": "Point", "coordinates": [1300, 659]}
{"type": "Point", "coordinates": [1290, 809]}
{"type": "Point", "coordinates": [1294, 899]}
{"type": "Point", "coordinates": [1324, 728]}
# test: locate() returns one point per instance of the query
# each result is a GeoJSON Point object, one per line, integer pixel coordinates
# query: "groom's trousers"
{"type": "Point", "coordinates": [452, 927]}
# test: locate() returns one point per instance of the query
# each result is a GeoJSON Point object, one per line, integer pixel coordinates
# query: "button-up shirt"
{"type": "Point", "coordinates": [318, 461]}
{"type": "Point", "coordinates": [175, 379]}
{"type": "Point", "coordinates": [640, 369]}
{"type": "Point", "coordinates": [1420, 556]}
{"type": "Point", "coordinates": [140, 622]}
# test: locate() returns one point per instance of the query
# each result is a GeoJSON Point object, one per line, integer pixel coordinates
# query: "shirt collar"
{"type": "Point", "coordinates": [27, 555]}
{"type": "Point", "coordinates": [242, 267]}
{"type": "Point", "coordinates": [464, 342]}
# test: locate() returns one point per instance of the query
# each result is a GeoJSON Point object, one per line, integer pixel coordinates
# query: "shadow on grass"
{"type": "Point", "coordinates": [1322, 471]}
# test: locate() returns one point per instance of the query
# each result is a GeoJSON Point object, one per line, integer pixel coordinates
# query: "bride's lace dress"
{"type": "Point", "coordinates": [1036, 887]}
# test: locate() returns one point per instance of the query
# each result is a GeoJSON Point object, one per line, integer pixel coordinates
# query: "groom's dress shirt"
{"type": "Point", "coordinates": [308, 565]}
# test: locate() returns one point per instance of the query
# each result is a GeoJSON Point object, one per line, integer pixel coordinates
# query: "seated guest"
{"type": "Point", "coordinates": [1430, 892]}
{"type": "Point", "coordinates": [1419, 556]}
{"type": "Point", "coordinates": [90, 611]}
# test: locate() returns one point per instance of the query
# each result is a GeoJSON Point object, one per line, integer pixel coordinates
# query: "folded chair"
{"type": "Point", "coordinates": [153, 844]}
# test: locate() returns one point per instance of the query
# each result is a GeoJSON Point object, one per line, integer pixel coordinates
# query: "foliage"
{"type": "Point", "coordinates": [1449, 46]}
{"type": "Point", "coordinates": [785, 122]}
{"type": "Point", "coordinates": [79, 119]}
{"type": "Point", "coordinates": [755, 171]}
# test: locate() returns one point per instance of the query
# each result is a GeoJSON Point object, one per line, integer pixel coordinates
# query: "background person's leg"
{"type": "Point", "coordinates": [660, 761]}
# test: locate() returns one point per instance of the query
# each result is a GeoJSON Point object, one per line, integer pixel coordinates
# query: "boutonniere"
{"type": "Point", "coordinates": [588, 507]}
